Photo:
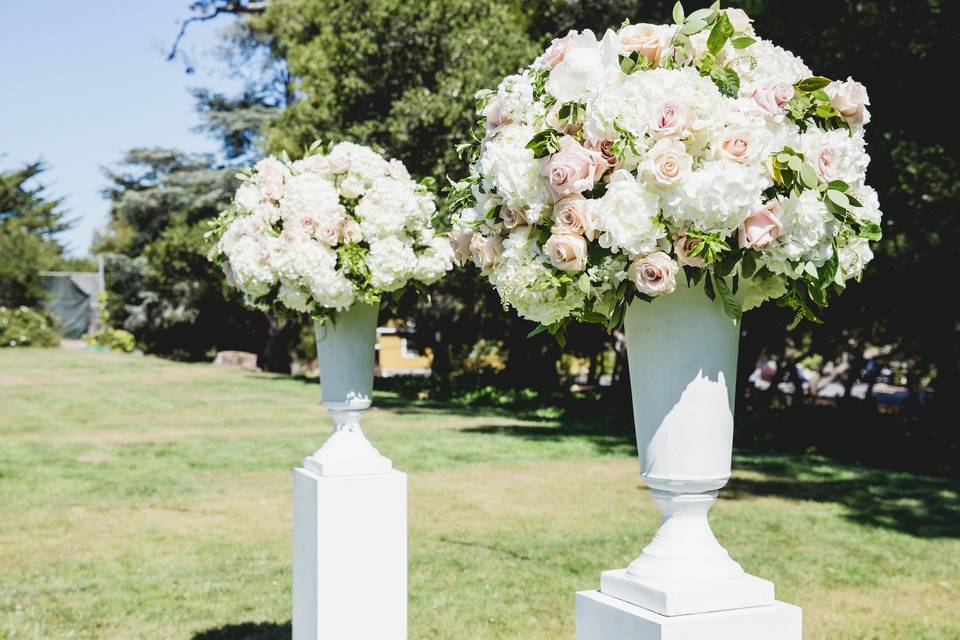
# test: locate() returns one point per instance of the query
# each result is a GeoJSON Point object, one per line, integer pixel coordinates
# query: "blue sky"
{"type": "Point", "coordinates": [84, 81]}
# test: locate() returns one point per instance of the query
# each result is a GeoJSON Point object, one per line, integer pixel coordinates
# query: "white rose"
{"type": "Point", "coordinates": [851, 100]}
{"type": "Point", "coordinates": [248, 196]}
{"type": "Point", "coordinates": [484, 251]}
{"type": "Point", "coordinates": [742, 23]}
{"type": "Point", "coordinates": [351, 232]}
{"type": "Point", "coordinates": [270, 176]}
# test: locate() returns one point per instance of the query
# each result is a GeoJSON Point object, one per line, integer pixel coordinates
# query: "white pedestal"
{"type": "Point", "coordinates": [349, 556]}
{"type": "Point", "coordinates": [602, 617]}
{"type": "Point", "coordinates": [680, 599]}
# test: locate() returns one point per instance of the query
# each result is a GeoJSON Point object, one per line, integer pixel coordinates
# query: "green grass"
{"type": "Point", "coordinates": [147, 499]}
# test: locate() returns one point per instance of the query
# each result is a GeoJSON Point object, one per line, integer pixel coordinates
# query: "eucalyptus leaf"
{"type": "Point", "coordinates": [692, 26]}
{"type": "Point", "coordinates": [808, 176]}
{"type": "Point", "coordinates": [838, 198]}
{"type": "Point", "coordinates": [742, 42]}
{"type": "Point", "coordinates": [678, 13]}
{"type": "Point", "coordinates": [808, 85]}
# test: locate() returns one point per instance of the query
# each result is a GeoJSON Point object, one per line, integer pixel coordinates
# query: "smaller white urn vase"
{"type": "Point", "coordinates": [346, 355]}
{"type": "Point", "coordinates": [682, 350]}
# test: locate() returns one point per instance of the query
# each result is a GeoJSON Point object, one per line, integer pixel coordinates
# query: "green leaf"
{"type": "Point", "coordinates": [727, 81]}
{"type": "Point", "coordinates": [692, 26]}
{"type": "Point", "coordinates": [871, 231]}
{"type": "Point", "coordinates": [748, 264]}
{"type": "Point", "coordinates": [678, 13]}
{"type": "Point", "coordinates": [810, 268]}
{"type": "Point", "coordinates": [701, 14]}
{"type": "Point", "coordinates": [808, 176]}
{"type": "Point", "coordinates": [721, 32]}
{"type": "Point", "coordinates": [730, 305]}
{"type": "Point", "coordinates": [627, 64]}
{"type": "Point", "coordinates": [838, 198]}
{"type": "Point", "coordinates": [808, 85]}
{"type": "Point", "coordinates": [742, 42]}
{"type": "Point", "coordinates": [541, 328]}
{"type": "Point", "coordinates": [708, 287]}
{"type": "Point", "coordinates": [838, 185]}
{"type": "Point", "coordinates": [584, 283]}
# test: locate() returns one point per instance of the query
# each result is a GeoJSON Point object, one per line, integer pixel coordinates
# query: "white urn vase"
{"type": "Point", "coordinates": [682, 351]}
{"type": "Point", "coordinates": [346, 355]}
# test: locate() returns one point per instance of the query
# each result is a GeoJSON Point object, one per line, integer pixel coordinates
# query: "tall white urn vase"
{"type": "Point", "coordinates": [350, 505]}
{"type": "Point", "coordinates": [682, 351]}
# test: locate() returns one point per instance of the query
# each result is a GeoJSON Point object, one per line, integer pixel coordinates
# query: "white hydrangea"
{"type": "Point", "coordinates": [392, 263]}
{"type": "Point", "coordinates": [250, 263]}
{"type": "Point", "coordinates": [764, 60]}
{"type": "Point", "coordinates": [854, 256]}
{"type": "Point", "coordinates": [308, 194]}
{"type": "Point", "coordinates": [870, 211]}
{"type": "Point", "coordinates": [524, 281]}
{"type": "Point", "coordinates": [293, 297]}
{"type": "Point", "coordinates": [434, 261]}
{"type": "Point", "coordinates": [512, 170]}
{"type": "Point", "coordinates": [514, 98]}
{"type": "Point", "coordinates": [626, 216]}
{"type": "Point", "coordinates": [717, 197]}
{"type": "Point", "coordinates": [807, 236]}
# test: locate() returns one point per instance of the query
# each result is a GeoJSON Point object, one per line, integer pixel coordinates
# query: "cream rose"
{"type": "Point", "coordinates": [566, 252]}
{"type": "Point", "coordinates": [571, 216]}
{"type": "Point", "coordinates": [647, 39]}
{"type": "Point", "coordinates": [682, 247]}
{"type": "Point", "coordinates": [670, 120]}
{"type": "Point", "coordinates": [736, 146]}
{"type": "Point", "coordinates": [851, 100]}
{"type": "Point", "coordinates": [655, 274]}
{"type": "Point", "coordinates": [512, 219]}
{"type": "Point", "coordinates": [772, 96]}
{"type": "Point", "coordinates": [742, 23]}
{"type": "Point", "coordinates": [605, 147]}
{"type": "Point", "coordinates": [484, 250]}
{"type": "Point", "coordinates": [460, 240]}
{"type": "Point", "coordinates": [762, 227]}
{"type": "Point", "coordinates": [557, 50]}
{"type": "Point", "coordinates": [573, 169]}
{"type": "Point", "coordinates": [667, 162]}
{"type": "Point", "coordinates": [351, 232]}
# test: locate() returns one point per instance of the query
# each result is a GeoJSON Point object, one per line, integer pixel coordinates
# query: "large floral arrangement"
{"type": "Point", "coordinates": [609, 167]}
{"type": "Point", "coordinates": [320, 233]}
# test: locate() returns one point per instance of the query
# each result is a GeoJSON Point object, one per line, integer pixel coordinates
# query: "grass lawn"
{"type": "Point", "coordinates": [141, 498]}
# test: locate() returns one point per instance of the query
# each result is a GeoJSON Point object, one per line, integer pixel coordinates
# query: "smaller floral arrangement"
{"type": "Point", "coordinates": [340, 225]}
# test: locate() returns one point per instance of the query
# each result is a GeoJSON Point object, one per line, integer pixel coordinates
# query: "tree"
{"type": "Point", "coordinates": [29, 222]}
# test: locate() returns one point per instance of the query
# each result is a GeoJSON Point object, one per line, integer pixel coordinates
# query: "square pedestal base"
{"type": "Point", "coordinates": [602, 617]}
{"type": "Point", "coordinates": [349, 556]}
{"type": "Point", "coordinates": [684, 599]}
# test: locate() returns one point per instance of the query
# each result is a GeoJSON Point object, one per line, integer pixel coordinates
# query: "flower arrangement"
{"type": "Point", "coordinates": [608, 167]}
{"type": "Point", "coordinates": [335, 227]}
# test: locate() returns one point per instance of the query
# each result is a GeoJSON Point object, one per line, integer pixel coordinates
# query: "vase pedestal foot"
{"type": "Point", "coordinates": [680, 599]}
{"type": "Point", "coordinates": [602, 617]}
{"type": "Point", "coordinates": [349, 555]}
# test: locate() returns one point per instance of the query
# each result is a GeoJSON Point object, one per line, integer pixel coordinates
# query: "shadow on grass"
{"type": "Point", "coordinates": [247, 631]}
{"type": "Point", "coordinates": [605, 441]}
{"type": "Point", "coordinates": [917, 505]}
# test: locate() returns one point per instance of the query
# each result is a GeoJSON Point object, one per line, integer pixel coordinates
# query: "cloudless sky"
{"type": "Point", "coordinates": [82, 81]}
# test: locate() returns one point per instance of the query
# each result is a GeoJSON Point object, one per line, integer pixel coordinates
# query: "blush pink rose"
{"type": "Point", "coordinates": [647, 39]}
{"type": "Point", "coordinates": [484, 250]}
{"type": "Point", "coordinates": [762, 227]}
{"type": "Point", "coordinates": [667, 162]}
{"type": "Point", "coordinates": [736, 146]}
{"type": "Point", "coordinates": [351, 232]}
{"type": "Point", "coordinates": [573, 169]}
{"type": "Point", "coordinates": [557, 50]}
{"type": "Point", "coordinates": [571, 216]}
{"type": "Point", "coordinates": [682, 246]}
{"type": "Point", "coordinates": [670, 120]}
{"type": "Point", "coordinates": [566, 252]}
{"type": "Point", "coordinates": [460, 240]}
{"type": "Point", "coordinates": [495, 116]}
{"type": "Point", "coordinates": [271, 174]}
{"type": "Point", "coordinates": [654, 275]}
{"type": "Point", "coordinates": [772, 96]}
{"type": "Point", "coordinates": [605, 147]}
{"type": "Point", "coordinates": [851, 100]}
{"type": "Point", "coordinates": [826, 164]}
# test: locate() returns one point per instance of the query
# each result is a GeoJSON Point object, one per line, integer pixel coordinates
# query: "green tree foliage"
{"type": "Point", "coordinates": [29, 222]}
{"type": "Point", "coordinates": [162, 287]}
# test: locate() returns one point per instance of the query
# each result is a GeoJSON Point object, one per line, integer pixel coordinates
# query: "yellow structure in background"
{"type": "Point", "coordinates": [396, 358]}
